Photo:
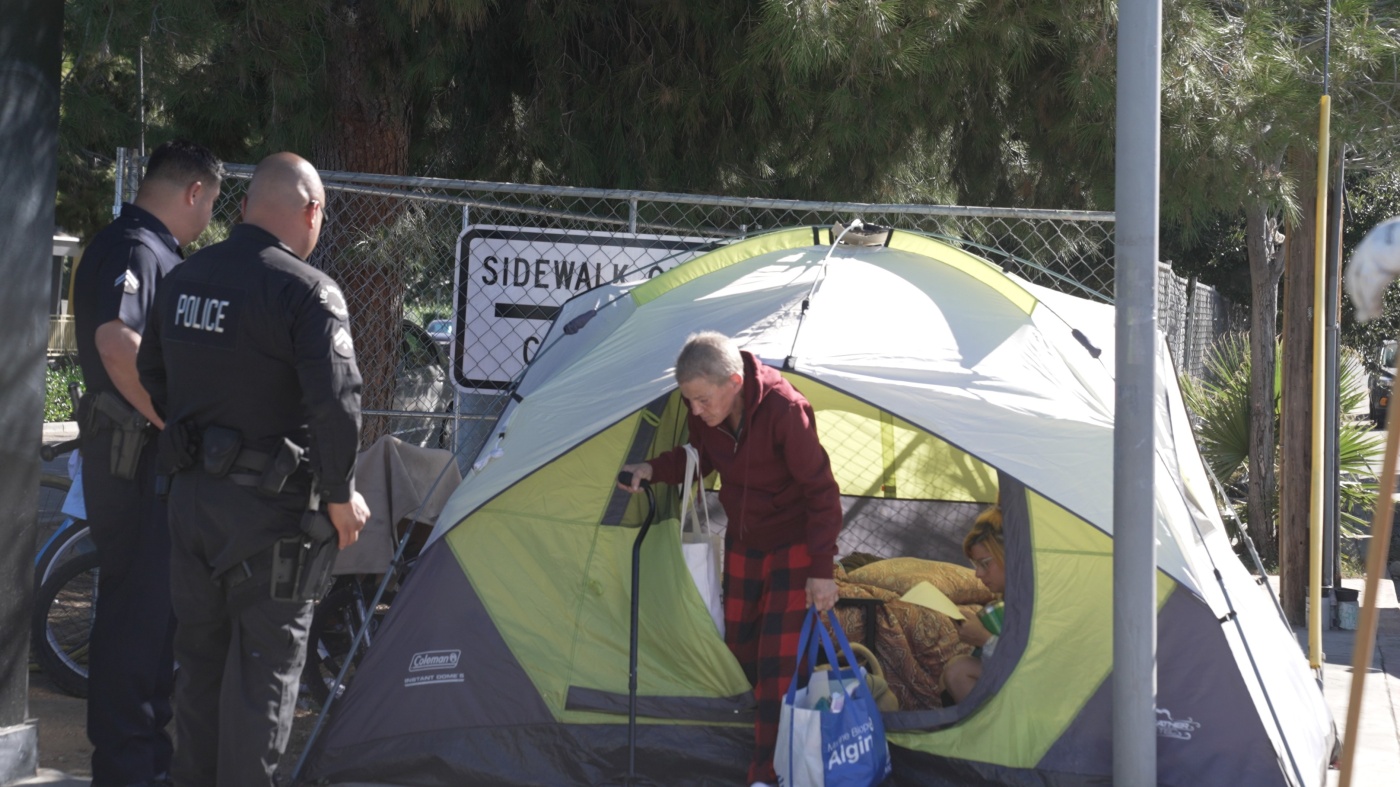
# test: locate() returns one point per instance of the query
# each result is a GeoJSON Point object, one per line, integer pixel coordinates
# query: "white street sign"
{"type": "Point", "coordinates": [511, 282]}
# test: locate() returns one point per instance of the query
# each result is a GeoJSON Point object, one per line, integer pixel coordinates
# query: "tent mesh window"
{"type": "Point", "coordinates": [885, 528]}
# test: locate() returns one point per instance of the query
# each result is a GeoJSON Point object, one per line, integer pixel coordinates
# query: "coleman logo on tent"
{"type": "Point", "coordinates": [1181, 729]}
{"type": "Point", "coordinates": [435, 664]}
{"type": "Point", "coordinates": [434, 660]}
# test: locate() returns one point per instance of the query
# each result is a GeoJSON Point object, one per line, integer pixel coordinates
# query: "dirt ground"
{"type": "Point", "coordinates": [63, 743]}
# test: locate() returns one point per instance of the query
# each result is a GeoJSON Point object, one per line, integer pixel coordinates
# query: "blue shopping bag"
{"type": "Point", "coordinates": [830, 733]}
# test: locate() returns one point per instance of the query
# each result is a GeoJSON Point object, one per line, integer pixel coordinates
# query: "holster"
{"type": "Point", "coordinates": [177, 451]}
{"type": "Point", "coordinates": [219, 447]}
{"type": "Point", "coordinates": [283, 464]}
{"type": "Point", "coordinates": [302, 564]}
{"type": "Point", "coordinates": [130, 430]}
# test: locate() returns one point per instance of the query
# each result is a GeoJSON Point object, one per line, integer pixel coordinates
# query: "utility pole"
{"type": "Point", "coordinates": [1136, 203]}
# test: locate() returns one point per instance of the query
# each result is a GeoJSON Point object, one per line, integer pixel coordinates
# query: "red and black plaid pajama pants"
{"type": "Point", "coordinates": [765, 600]}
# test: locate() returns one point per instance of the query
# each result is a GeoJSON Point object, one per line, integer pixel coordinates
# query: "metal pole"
{"type": "Point", "coordinates": [1134, 510]}
{"type": "Point", "coordinates": [117, 192]}
{"type": "Point", "coordinates": [141, 91]}
{"type": "Point", "coordinates": [1331, 573]}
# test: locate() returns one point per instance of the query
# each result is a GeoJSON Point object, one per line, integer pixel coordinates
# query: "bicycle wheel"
{"type": "Point", "coordinates": [61, 626]}
{"type": "Point", "coordinates": [70, 540]}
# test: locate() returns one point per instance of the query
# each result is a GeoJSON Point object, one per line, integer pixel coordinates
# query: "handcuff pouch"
{"type": "Point", "coordinates": [219, 448]}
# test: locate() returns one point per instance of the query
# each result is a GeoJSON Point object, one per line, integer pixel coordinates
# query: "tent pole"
{"type": "Point", "coordinates": [1134, 508]}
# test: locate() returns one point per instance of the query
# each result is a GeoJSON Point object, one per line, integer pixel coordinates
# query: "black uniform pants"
{"type": "Point", "coordinates": [130, 662]}
{"type": "Point", "coordinates": [240, 651]}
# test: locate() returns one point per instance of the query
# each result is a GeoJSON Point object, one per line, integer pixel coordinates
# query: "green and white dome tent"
{"type": "Point", "coordinates": [941, 384]}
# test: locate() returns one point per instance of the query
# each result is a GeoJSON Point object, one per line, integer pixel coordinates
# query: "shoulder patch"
{"type": "Point", "coordinates": [128, 282]}
{"type": "Point", "coordinates": [333, 301]}
{"type": "Point", "coordinates": [342, 343]}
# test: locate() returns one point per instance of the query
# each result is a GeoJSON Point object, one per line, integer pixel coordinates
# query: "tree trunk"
{"type": "Point", "coordinates": [1295, 447]}
{"type": "Point", "coordinates": [369, 132]}
{"type": "Point", "coordinates": [1265, 268]}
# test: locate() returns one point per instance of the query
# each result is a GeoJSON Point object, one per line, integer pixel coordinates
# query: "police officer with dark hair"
{"type": "Point", "coordinates": [248, 356]}
{"type": "Point", "coordinates": [130, 665]}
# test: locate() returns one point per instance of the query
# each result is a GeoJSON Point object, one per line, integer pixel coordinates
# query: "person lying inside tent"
{"type": "Point", "coordinates": [882, 605]}
{"type": "Point", "coordinates": [784, 510]}
{"type": "Point", "coordinates": [984, 546]}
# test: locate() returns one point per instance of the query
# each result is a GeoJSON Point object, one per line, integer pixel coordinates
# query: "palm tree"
{"type": "Point", "coordinates": [1220, 404]}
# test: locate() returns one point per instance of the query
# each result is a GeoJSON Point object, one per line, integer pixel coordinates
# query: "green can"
{"type": "Point", "coordinates": [991, 617]}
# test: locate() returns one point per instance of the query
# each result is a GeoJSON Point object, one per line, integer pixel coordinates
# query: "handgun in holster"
{"type": "Point", "coordinates": [178, 449]}
{"type": "Point", "coordinates": [130, 430]}
{"type": "Point", "coordinates": [302, 564]}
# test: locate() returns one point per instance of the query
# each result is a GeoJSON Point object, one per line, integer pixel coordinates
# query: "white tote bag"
{"type": "Point", "coordinates": [703, 549]}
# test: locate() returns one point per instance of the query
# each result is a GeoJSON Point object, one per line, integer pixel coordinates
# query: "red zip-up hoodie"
{"type": "Point", "coordinates": [777, 488]}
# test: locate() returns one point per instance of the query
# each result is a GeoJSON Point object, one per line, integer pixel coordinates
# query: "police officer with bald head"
{"type": "Point", "coordinates": [249, 358]}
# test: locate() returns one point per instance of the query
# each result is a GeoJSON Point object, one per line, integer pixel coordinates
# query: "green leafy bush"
{"type": "Point", "coordinates": [57, 405]}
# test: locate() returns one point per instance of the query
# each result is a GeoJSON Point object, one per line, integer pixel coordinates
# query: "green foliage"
{"type": "Point", "coordinates": [57, 405]}
{"type": "Point", "coordinates": [1220, 405]}
{"type": "Point", "coordinates": [945, 101]}
{"type": "Point", "coordinates": [1214, 252]}
{"type": "Point", "coordinates": [1357, 444]}
{"type": "Point", "coordinates": [1241, 90]}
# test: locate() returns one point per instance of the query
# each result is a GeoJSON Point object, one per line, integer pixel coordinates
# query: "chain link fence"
{"type": "Point", "coordinates": [392, 244]}
{"type": "Point", "coordinates": [1193, 316]}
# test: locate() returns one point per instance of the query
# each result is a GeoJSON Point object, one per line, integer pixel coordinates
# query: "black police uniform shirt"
{"type": "Point", "coordinates": [116, 280]}
{"type": "Point", "coordinates": [246, 335]}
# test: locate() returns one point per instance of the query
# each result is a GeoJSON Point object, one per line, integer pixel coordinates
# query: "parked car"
{"type": "Point", "coordinates": [440, 330]}
{"type": "Point", "coordinates": [422, 384]}
{"type": "Point", "coordinates": [1381, 381]}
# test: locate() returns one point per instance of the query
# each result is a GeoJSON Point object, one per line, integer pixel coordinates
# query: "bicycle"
{"type": "Point", "coordinates": [65, 580]}
{"type": "Point", "coordinates": [65, 594]}
{"type": "Point", "coordinates": [61, 626]}
{"type": "Point", "coordinates": [61, 536]}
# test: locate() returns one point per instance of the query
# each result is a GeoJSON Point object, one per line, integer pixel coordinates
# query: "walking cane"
{"type": "Point", "coordinates": [626, 480]}
{"type": "Point", "coordinates": [1374, 264]}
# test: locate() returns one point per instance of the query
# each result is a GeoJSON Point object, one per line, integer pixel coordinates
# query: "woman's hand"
{"type": "Point", "coordinates": [821, 593]}
{"type": "Point", "coordinates": [973, 632]}
{"type": "Point", "coordinates": [640, 472]}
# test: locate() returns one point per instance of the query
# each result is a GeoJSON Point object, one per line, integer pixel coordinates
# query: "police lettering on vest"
{"type": "Point", "coordinates": [205, 314]}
